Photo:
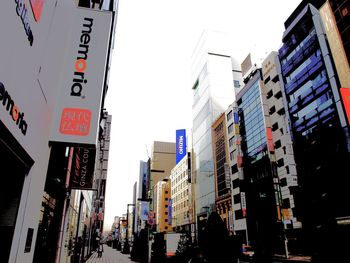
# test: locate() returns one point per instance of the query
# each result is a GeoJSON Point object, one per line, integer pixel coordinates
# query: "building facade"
{"type": "Point", "coordinates": [319, 130]}
{"type": "Point", "coordinates": [163, 224]}
{"type": "Point", "coordinates": [163, 159]}
{"type": "Point", "coordinates": [222, 173]}
{"type": "Point", "coordinates": [215, 76]}
{"type": "Point", "coordinates": [181, 200]}
{"type": "Point", "coordinates": [36, 133]}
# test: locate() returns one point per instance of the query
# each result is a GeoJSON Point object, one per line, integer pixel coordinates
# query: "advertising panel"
{"type": "Point", "coordinates": [23, 108]}
{"type": "Point", "coordinates": [77, 112]}
{"type": "Point", "coordinates": [170, 214]}
{"type": "Point", "coordinates": [83, 168]}
{"type": "Point", "coordinates": [180, 145]}
{"type": "Point", "coordinates": [144, 210]}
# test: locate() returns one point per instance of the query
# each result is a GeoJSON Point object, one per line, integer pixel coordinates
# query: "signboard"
{"type": "Point", "coordinates": [77, 112]}
{"type": "Point", "coordinates": [144, 210]}
{"type": "Point", "coordinates": [345, 94]}
{"type": "Point", "coordinates": [244, 204]}
{"type": "Point", "coordinates": [83, 165]}
{"type": "Point", "coordinates": [170, 212]}
{"type": "Point", "coordinates": [180, 145]}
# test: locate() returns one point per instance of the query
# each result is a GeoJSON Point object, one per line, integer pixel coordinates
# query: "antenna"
{"type": "Point", "coordinates": [147, 151]}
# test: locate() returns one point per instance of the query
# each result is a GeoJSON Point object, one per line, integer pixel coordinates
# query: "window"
{"type": "Point", "coordinates": [286, 203]}
{"type": "Point", "coordinates": [281, 111]}
{"type": "Point", "coordinates": [267, 80]}
{"type": "Point", "coordinates": [166, 191]}
{"type": "Point", "coordinates": [287, 169]}
{"type": "Point", "coordinates": [272, 110]}
{"type": "Point", "coordinates": [235, 183]}
{"type": "Point", "coordinates": [283, 182]}
{"type": "Point", "coordinates": [269, 94]}
{"type": "Point", "coordinates": [237, 199]}
{"type": "Point", "coordinates": [277, 144]}
{"type": "Point", "coordinates": [234, 169]}
{"type": "Point", "coordinates": [274, 126]}
{"type": "Point", "coordinates": [278, 95]}
{"type": "Point", "coordinates": [231, 141]}
{"type": "Point", "coordinates": [280, 162]}
{"type": "Point", "coordinates": [238, 214]}
{"type": "Point", "coordinates": [236, 83]}
{"type": "Point", "coordinates": [229, 116]}
{"type": "Point", "coordinates": [230, 128]}
{"type": "Point", "coordinates": [166, 220]}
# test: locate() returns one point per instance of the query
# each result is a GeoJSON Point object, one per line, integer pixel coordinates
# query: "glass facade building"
{"type": "Point", "coordinates": [319, 131]}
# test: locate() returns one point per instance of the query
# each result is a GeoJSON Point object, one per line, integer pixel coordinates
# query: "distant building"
{"type": "Point", "coordinates": [163, 209]}
{"type": "Point", "coordinates": [181, 197]}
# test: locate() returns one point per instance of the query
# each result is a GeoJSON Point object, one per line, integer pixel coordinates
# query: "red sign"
{"type": "Point", "coordinates": [37, 7]}
{"type": "Point", "coordinates": [345, 94]}
{"type": "Point", "coordinates": [75, 121]}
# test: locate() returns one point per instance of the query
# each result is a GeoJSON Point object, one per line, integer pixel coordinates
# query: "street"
{"type": "Point", "coordinates": [109, 255]}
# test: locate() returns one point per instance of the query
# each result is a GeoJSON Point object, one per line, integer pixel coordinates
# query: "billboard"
{"type": "Point", "coordinates": [180, 145]}
{"type": "Point", "coordinates": [78, 105]}
{"type": "Point", "coordinates": [83, 166]}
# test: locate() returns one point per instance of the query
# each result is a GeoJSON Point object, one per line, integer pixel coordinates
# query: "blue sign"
{"type": "Point", "coordinates": [170, 214]}
{"type": "Point", "coordinates": [180, 145]}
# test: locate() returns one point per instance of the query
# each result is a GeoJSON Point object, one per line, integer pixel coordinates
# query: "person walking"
{"type": "Point", "coordinates": [100, 249]}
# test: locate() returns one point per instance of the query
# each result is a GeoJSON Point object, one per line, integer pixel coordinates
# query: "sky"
{"type": "Point", "coordinates": [150, 94]}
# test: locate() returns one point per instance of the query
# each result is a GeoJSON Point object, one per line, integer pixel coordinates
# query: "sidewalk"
{"type": "Point", "coordinates": [110, 255]}
{"type": "Point", "coordinates": [292, 258]}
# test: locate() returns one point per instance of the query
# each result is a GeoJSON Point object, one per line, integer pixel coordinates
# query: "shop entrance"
{"type": "Point", "coordinates": [13, 172]}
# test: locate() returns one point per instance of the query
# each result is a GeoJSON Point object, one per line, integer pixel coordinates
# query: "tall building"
{"type": "Point", "coordinates": [181, 197]}
{"type": "Point", "coordinates": [319, 129]}
{"type": "Point", "coordinates": [215, 76]}
{"type": "Point", "coordinates": [260, 179]}
{"type": "Point", "coordinates": [279, 137]}
{"type": "Point", "coordinates": [238, 222]}
{"type": "Point", "coordinates": [222, 174]}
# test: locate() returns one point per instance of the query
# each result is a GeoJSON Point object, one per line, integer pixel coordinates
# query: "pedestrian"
{"type": "Point", "coordinates": [100, 249]}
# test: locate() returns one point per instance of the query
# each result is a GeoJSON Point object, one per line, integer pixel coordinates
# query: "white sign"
{"type": "Point", "coordinates": [77, 111]}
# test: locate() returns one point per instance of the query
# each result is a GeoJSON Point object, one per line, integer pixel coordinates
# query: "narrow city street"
{"type": "Point", "coordinates": [109, 255]}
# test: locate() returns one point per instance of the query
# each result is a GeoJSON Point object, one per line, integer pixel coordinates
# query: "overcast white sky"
{"type": "Point", "coordinates": [150, 92]}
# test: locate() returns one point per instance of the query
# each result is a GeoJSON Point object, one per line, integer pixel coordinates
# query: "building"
{"type": "Point", "coordinates": [238, 222]}
{"type": "Point", "coordinates": [163, 224]}
{"type": "Point", "coordinates": [215, 76]}
{"type": "Point", "coordinates": [163, 158]}
{"type": "Point", "coordinates": [280, 139]}
{"type": "Point", "coordinates": [222, 174]}
{"type": "Point", "coordinates": [181, 197]}
{"type": "Point", "coordinates": [319, 130]}
{"type": "Point", "coordinates": [38, 129]}
{"type": "Point", "coordinates": [254, 172]}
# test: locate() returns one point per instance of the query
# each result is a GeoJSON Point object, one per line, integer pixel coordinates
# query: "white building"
{"type": "Point", "coordinates": [215, 76]}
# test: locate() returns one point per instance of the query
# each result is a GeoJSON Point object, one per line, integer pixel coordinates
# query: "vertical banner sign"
{"type": "Point", "coordinates": [82, 172]}
{"type": "Point", "coordinates": [170, 214]}
{"type": "Point", "coordinates": [180, 145]}
{"type": "Point", "coordinates": [345, 94]}
{"type": "Point", "coordinates": [144, 211]}
{"type": "Point", "coordinates": [244, 205]}
{"type": "Point", "coordinates": [78, 105]}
